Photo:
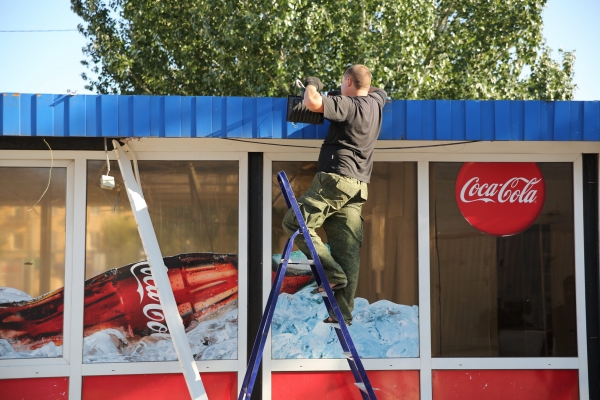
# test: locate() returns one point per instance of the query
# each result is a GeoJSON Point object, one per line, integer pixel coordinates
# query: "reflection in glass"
{"type": "Point", "coordinates": [32, 261]}
{"type": "Point", "coordinates": [387, 296]}
{"type": "Point", "coordinates": [193, 206]}
{"type": "Point", "coordinates": [503, 296]}
{"type": "Point", "coordinates": [194, 210]}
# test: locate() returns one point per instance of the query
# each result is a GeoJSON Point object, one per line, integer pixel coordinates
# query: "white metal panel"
{"type": "Point", "coordinates": [446, 157]}
{"type": "Point", "coordinates": [75, 281]}
{"type": "Point", "coordinates": [38, 371]}
{"type": "Point", "coordinates": [340, 364]}
{"type": "Point", "coordinates": [35, 163]}
{"type": "Point", "coordinates": [584, 392]}
{"type": "Point", "coordinates": [424, 279]}
{"type": "Point", "coordinates": [506, 363]}
{"type": "Point", "coordinates": [26, 362]}
{"type": "Point", "coordinates": [220, 149]}
{"type": "Point", "coordinates": [242, 269]}
{"type": "Point", "coordinates": [163, 367]}
{"type": "Point", "coordinates": [69, 266]}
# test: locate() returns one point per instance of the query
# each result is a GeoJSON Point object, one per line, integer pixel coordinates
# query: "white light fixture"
{"type": "Point", "coordinates": [106, 181]}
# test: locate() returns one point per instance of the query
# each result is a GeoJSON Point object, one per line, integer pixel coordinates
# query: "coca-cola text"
{"type": "Point", "coordinates": [500, 199]}
{"type": "Point", "coordinates": [501, 192]}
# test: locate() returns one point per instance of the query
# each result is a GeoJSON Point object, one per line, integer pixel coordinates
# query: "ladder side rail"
{"type": "Point", "coordinates": [320, 276]}
{"type": "Point", "coordinates": [332, 304]}
{"type": "Point", "coordinates": [258, 347]}
{"type": "Point", "coordinates": [329, 300]}
{"type": "Point", "coordinates": [354, 363]}
{"type": "Point", "coordinates": [356, 373]}
{"type": "Point", "coordinates": [284, 184]}
{"type": "Point", "coordinates": [348, 346]}
{"type": "Point", "coordinates": [261, 338]}
{"type": "Point", "coordinates": [265, 324]}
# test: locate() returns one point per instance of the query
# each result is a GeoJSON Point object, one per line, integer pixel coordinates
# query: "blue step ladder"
{"type": "Point", "coordinates": [360, 376]}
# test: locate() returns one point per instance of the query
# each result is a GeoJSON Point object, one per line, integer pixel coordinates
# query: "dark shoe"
{"type": "Point", "coordinates": [334, 288]}
{"type": "Point", "coordinates": [328, 320]}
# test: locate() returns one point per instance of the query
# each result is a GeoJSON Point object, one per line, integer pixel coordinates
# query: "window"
{"type": "Point", "coordinates": [194, 210]}
{"type": "Point", "coordinates": [385, 320]}
{"type": "Point", "coordinates": [508, 296]}
{"type": "Point", "coordinates": [32, 261]}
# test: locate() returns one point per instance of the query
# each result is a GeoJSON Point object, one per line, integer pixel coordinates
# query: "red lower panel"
{"type": "Point", "coordinates": [218, 385]}
{"type": "Point", "coordinates": [34, 389]}
{"type": "Point", "coordinates": [340, 385]}
{"type": "Point", "coordinates": [506, 385]}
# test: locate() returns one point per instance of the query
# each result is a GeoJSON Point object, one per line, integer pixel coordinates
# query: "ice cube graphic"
{"type": "Point", "coordinates": [379, 330]}
{"type": "Point", "coordinates": [9, 295]}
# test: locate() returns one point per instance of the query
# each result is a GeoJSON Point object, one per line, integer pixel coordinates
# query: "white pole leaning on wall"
{"type": "Point", "coordinates": [161, 279]}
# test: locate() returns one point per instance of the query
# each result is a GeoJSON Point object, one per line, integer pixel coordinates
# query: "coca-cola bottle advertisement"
{"type": "Point", "coordinates": [123, 318]}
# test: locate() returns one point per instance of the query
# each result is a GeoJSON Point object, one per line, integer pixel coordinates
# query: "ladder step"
{"type": "Point", "coordinates": [348, 355]}
{"type": "Point", "coordinates": [361, 386]}
{"type": "Point", "coordinates": [298, 262]}
{"type": "Point", "coordinates": [336, 325]}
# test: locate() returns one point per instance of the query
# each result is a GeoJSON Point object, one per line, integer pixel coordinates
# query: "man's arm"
{"type": "Point", "coordinates": [313, 99]}
{"type": "Point", "coordinates": [381, 94]}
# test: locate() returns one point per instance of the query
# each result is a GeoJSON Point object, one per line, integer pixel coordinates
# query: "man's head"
{"type": "Point", "coordinates": [356, 81]}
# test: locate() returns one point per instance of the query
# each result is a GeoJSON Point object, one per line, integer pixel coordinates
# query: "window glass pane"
{"type": "Point", "coordinates": [508, 296]}
{"type": "Point", "coordinates": [385, 312]}
{"type": "Point", "coordinates": [194, 210]}
{"type": "Point", "coordinates": [32, 261]}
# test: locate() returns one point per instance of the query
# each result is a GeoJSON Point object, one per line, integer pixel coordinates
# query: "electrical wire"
{"type": "Point", "coordinates": [49, 176]}
{"type": "Point", "coordinates": [39, 30]}
{"type": "Point", "coordinates": [272, 144]}
{"type": "Point", "coordinates": [107, 160]}
{"type": "Point", "coordinates": [427, 146]}
{"type": "Point", "coordinates": [376, 148]}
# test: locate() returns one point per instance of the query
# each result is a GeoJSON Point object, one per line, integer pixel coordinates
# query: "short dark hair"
{"type": "Point", "coordinates": [360, 75]}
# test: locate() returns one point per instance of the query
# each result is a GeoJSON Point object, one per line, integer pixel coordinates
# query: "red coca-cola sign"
{"type": "Point", "coordinates": [500, 198]}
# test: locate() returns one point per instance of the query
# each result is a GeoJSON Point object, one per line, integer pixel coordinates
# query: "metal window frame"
{"type": "Point", "coordinates": [70, 365]}
{"type": "Point", "coordinates": [48, 367]}
{"type": "Point", "coordinates": [425, 363]}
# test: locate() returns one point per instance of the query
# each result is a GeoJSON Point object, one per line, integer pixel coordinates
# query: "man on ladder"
{"type": "Point", "coordinates": [339, 189]}
{"type": "Point", "coordinates": [334, 201]}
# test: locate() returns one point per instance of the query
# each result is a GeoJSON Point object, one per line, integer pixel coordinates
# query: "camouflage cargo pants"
{"type": "Point", "coordinates": [334, 202]}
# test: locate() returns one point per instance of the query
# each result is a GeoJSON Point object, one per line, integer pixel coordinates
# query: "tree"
{"type": "Point", "coordinates": [416, 49]}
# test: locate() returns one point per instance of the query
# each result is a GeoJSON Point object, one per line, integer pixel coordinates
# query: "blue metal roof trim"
{"type": "Point", "coordinates": [264, 118]}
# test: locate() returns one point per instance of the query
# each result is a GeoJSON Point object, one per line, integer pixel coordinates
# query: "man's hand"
{"type": "Point", "coordinates": [313, 99]}
{"type": "Point", "coordinates": [316, 82]}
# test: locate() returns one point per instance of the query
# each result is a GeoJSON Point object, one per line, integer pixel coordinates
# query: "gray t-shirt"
{"type": "Point", "coordinates": [355, 124]}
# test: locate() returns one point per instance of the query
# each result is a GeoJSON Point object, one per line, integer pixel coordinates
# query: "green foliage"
{"type": "Point", "coordinates": [416, 49]}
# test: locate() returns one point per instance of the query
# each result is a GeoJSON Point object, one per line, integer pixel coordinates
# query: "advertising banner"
{"type": "Point", "coordinates": [123, 318]}
{"type": "Point", "coordinates": [499, 198]}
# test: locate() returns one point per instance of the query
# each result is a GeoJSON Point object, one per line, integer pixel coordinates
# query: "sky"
{"type": "Point", "coordinates": [49, 62]}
